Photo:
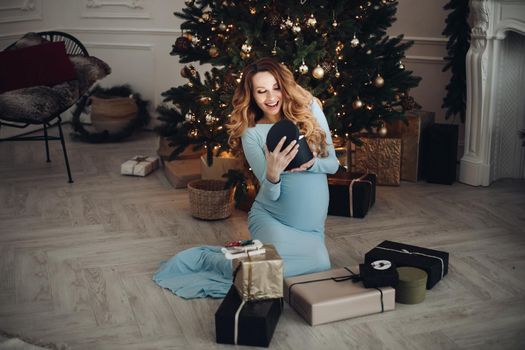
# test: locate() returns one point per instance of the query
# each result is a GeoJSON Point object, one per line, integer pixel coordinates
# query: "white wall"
{"type": "Point", "coordinates": [135, 38]}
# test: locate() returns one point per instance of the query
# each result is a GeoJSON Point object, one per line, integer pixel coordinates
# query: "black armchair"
{"type": "Point", "coordinates": [43, 105]}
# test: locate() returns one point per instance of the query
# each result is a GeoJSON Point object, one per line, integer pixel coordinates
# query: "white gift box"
{"type": "Point", "coordinates": [139, 166]}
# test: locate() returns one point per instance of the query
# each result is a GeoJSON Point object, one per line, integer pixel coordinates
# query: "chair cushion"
{"type": "Point", "coordinates": [45, 64]}
{"type": "Point", "coordinates": [29, 39]}
{"type": "Point", "coordinates": [38, 104]}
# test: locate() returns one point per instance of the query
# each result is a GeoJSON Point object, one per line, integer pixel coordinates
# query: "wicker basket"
{"type": "Point", "coordinates": [209, 200]}
{"type": "Point", "coordinates": [112, 114]}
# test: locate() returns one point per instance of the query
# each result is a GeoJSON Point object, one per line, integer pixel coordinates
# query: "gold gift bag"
{"type": "Point", "coordinates": [380, 156]}
{"type": "Point", "coordinates": [411, 138]}
{"type": "Point", "coordinates": [259, 277]}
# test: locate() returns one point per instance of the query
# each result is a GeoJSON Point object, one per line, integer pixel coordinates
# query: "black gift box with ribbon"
{"type": "Point", "coordinates": [434, 262]}
{"type": "Point", "coordinates": [246, 322]}
{"type": "Point", "coordinates": [351, 194]}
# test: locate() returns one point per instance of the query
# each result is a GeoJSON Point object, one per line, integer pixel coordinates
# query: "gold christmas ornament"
{"type": "Point", "coordinates": [194, 133]}
{"type": "Point", "coordinates": [331, 89]}
{"type": "Point", "coordinates": [334, 24]}
{"type": "Point", "coordinates": [339, 47]}
{"type": "Point", "coordinates": [205, 100]}
{"type": "Point", "coordinates": [382, 131]}
{"type": "Point", "coordinates": [206, 15]}
{"type": "Point", "coordinates": [244, 56]}
{"type": "Point", "coordinates": [311, 21]}
{"type": "Point", "coordinates": [190, 116]}
{"type": "Point", "coordinates": [337, 74]}
{"type": "Point", "coordinates": [188, 36]}
{"type": "Point", "coordinates": [296, 28]}
{"type": "Point", "coordinates": [274, 50]}
{"type": "Point", "coordinates": [401, 65]}
{"type": "Point", "coordinates": [288, 22]}
{"type": "Point", "coordinates": [222, 26]}
{"type": "Point", "coordinates": [379, 81]}
{"type": "Point", "coordinates": [354, 42]}
{"type": "Point", "coordinates": [253, 10]}
{"type": "Point", "coordinates": [357, 103]}
{"type": "Point", "coordinates": [318, 72]}
{"type": "Point", "coordinates": [303, 68]}
{"type": "Point", "coordinates": [213, 51]}
{"type": "Point", "coordinates": [246, 48]}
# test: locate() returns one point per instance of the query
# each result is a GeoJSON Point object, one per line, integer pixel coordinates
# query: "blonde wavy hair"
{"type": "Point", "coordinates": [295, 106]}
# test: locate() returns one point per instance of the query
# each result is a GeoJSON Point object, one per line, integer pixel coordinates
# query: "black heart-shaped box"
{"type": "Point", "coordinates": [287, 128]}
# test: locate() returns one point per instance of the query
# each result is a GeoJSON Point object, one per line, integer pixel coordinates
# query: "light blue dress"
{"type": "Point", "coordinates": [290, 215]}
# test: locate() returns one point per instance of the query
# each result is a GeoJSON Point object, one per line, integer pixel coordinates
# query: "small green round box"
{"type": "Point", "coordinates": [412, 286]}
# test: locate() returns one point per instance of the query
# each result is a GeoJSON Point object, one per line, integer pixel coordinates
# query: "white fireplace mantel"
{"type": "Point", "coordinates": [490, 22]}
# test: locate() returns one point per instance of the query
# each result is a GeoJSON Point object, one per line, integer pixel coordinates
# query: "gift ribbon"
{"type": "Point", "coordinates": [353, 277]}
{"type": "Point", "coordinates": [418, 253]}
{"type": "Point", "coordinates": [351, 198]}
{"type": "Point", "coordinates": [138, 160]}
{"type": "Point", "coordinates": [236, 325]}
{"type": "Point", "coordinates": [250, 274]}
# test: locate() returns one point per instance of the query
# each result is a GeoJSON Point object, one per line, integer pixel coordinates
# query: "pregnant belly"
{"type": "Point", "coordinates": [303, 203]}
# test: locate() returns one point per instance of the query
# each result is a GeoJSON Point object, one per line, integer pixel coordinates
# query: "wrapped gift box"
{"type": "Point", "coordinates": [412, 139]}
{"type": "Point", "coordinates": [433, 262]}
{"type": "Point", "coordinates": [180, 172]}
{"type": "Point", "coordinates": [219, 167]}
{"type": "Point", "coordinates": [380, 156]}
{"type": "Point", "coordinates": [164, 151]}
{"type": "Point", "coordinates": [246, 322]}
{"type": "Point", "coordinates": [332, 296]}
{"type": "Point", "coordinates": [139, 166]}
{"type": "Point", "coordinates": [379, 273]}
{"type": "Point", "coordinates": [259, 277]}
{"type": "Point", "coordinates": [351, 194]}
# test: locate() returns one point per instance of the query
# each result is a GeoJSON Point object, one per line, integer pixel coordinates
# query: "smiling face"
{"type": "Point", "coordinates": [267, 95]}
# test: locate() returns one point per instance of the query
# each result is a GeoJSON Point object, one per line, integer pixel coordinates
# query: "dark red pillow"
{"type": "Point", "coordinates": [45, 64]}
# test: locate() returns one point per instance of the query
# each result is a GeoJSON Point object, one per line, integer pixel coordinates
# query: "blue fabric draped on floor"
{"type": "Point", "coordinates": [196, 273]}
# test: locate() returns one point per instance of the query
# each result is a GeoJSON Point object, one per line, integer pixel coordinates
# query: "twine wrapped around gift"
{"type": "Point", "coordinates": [138, 160]}
{"type": "Point", "coordinates": [417, 253]}
{"type": "Point", "coordinates": [353, 277]}
{"type": "Point", "coordinates": [351, 198]}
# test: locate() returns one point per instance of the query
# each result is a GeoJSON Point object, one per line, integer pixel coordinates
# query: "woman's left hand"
{"type": "Point", "coordinates": [305, 166]}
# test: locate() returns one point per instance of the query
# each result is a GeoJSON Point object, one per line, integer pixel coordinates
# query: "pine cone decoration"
{"type": "Point", "coordinates": [408, 103]}
{"type": "Point", "coordinates": [274, 18]}
{"type": "Point", "coordinates": [182, 44]}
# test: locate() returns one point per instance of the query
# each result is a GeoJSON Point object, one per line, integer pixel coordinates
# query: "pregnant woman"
{"type": "Point", "coordinates": [291, 206]}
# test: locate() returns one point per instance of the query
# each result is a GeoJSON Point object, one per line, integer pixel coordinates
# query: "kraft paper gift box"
{"type": "Point", "coordinates": [164, 151]}
{"type": "Point", "coordinates": [380, 156]}
{"type": "Point", "coordinates": [433, 262]}
{"type": "Point", "coordinates": [412, 140]}
{"type": "Point", "coordinates": [242, 322]}
{"type": "Point", "coordinates": [351, 194]}
{"type": "Point", "coordinates": [333, 295]}
{"type": "Point", "coordinates": [139, 166]}
{"type": "Point", "coordinates": [180, 172]}
{"type": "Point", "coordinates": [259, 277]}
{"type": "Point", "coordinates": [219, 167]}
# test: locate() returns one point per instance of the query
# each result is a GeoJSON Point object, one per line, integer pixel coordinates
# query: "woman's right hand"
{"type": "Point", "coordinates": [278, 159]}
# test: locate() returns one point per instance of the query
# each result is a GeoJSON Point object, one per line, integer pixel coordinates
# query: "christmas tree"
{"type": "Point", "coordinates": [338, 50]}
{"type": "Point", "coordinates": [458, 31]}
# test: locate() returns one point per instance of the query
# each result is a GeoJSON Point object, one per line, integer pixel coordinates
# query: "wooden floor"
{"type": "Point", "coordinates": [76, 260]}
